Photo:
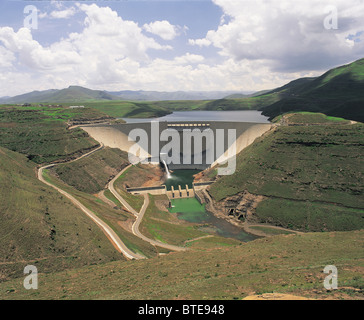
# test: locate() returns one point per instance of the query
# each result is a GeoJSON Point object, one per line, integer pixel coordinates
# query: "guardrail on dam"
{"type": "Point", "coordinates": [200, 154]}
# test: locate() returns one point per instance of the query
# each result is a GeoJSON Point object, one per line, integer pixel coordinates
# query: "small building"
{"type": "Point", "coordinates": [75, 107]}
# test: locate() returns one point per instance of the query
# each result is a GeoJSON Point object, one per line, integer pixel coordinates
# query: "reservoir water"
{"type": "Point", "coordinates": [228, 116]}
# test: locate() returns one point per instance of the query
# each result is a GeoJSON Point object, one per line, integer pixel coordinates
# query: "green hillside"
{"type": "Point", "coordinates": [309, 172]}
{"type": "Point", "coordinates": [339, 92]}
{"type": "Point", "coordinates": [41, 227]}
{"type": "Point", "coordinates": [41, 132]}
{"type": "Point", "coordinates": [282, 264]}
{"type": "Point", "coordinates": [91, 174]}
{"type": "Point", "coordinates": [128, 109]}
{"type": "Point", "coordinates": [70, 94]}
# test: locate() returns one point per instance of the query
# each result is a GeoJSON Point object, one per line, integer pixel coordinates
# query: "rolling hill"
{"type": "Point", "coordinates": [307, 171]}
{"type": "Point", "coordinates": [71, 94]}
{"type": "Point", "coordinates": [40, 226]}
{"type": "Point", "coordinates": [172, 96]}
{"type": "Point", "coordinates": [74, 94]}
{"type": "Point", "coordinates": [339, 92]}
{"type": "Point", "coordinates": [281, 264]}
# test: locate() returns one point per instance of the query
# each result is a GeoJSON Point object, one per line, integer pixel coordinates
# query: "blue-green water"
{"type": "Point", "coordinates": [181, 177]}
{"type": "Point", "coordinates": [191, 210]}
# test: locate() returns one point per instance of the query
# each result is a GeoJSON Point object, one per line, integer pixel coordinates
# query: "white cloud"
{"type": "Point", "coordinates": [163, 29]}
{"type": "Point", "coordinates": [288, 35]}
{"type": "Point", "coordinates": [6, 58]}
{"type": "Point", "coordinates": [107, 51]}
{"type": "Point", "coordinates": [261, 45]}
{"type": "Point", "coordinates": [199, 42]}
{"type": "Point", "coordinates": [63, 14]}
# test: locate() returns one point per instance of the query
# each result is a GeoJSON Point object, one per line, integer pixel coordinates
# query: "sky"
{"type": "Point", "coordinates": [170, 45]}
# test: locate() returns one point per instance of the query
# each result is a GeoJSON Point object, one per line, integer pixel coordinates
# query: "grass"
{"type": "Point", "coordinates": [270, 231]}
{"type": "Point", "coordinates": [41, 132]}
{"type": "Point", "coordinates": [41, 227]}
{"type": "Point", "coordinates": [91, 174]}
{"type": "Point", "coordinates": [314, 118]}
{"type": "Point", "coordinates": [136, 201]}
{"type": "Point", "coordinates": [284, 264]}
{"type": "Point", "coordinates": [309, 216]}
{"type": "Point", "coordinates": [111, 197]}
{"type": "Point", "coordinates": [338, 93]}
{"type": "Point", "coordinates": [310, 174]}
{"type": "Point", "coordinates": [137, 176]}
{"type": "Point", "coordinates": [113, 217]}
{"type": "Point", "coordinates": [128, 109]}
{"type": "Point", "coordinates": [164, 227]}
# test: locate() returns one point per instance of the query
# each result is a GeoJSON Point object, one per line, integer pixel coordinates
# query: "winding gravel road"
{"type": "Point", "coordinates": [114, 238]}
{"type": "Point", "coordinates": [139, 215]}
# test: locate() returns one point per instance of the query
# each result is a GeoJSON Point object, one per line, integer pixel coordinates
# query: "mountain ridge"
{"type": "Point", "coordinates": [80, 94]}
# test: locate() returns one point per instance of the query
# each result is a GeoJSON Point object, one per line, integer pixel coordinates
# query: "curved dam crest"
{"type": "Point", "coordinates": [117, 136]}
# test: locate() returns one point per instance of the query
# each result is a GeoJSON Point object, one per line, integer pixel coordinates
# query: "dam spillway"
{"type": "Point", "coordinates": [207, 142]}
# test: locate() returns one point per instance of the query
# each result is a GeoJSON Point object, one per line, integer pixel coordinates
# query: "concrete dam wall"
{"type": "Point", "coordinates": [184, 145]}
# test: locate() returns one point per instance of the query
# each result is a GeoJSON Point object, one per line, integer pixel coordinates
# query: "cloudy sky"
{"type": "Point", "coordinates": [174, 45]}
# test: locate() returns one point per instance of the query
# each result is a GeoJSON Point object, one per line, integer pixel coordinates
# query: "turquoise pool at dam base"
{"type": "Point", "coordinates": [189, 209]}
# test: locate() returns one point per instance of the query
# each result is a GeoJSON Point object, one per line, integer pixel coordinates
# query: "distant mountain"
{"type": "Point", "coordinates": [338, 92]}
{"type": "Point", "coordinates": [70, 95]}
{"type": "Point", "coordinates": [177, 95]}
{"type": "Point", "coordinates": [246, 95]}
{"type": "Point", "coordinates": [74, 94]}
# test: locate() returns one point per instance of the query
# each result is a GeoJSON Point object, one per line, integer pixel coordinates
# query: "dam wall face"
{"type": "Point", "coordinates": [183, 145]}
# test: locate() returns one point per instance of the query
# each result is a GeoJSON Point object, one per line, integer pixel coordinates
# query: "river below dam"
{"type": "Point", "coordinates": [189, 209]}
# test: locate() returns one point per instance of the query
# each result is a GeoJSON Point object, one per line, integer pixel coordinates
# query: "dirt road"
{"type": "Point", "coordinates": [139, 216]}
{"type": "Point", "coordinates": [114, 238]}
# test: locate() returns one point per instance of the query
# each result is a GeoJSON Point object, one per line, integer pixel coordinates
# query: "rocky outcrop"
{"type": "Point", "coordinates": [84, 121]}
{"type": "Point", "coordinates": [236, 209]}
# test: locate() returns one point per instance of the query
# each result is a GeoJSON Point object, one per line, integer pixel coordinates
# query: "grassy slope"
{"type": "Point", "coordinates": [72, 94]}
{"type": "Point", "coordinates": [165, 227]}
{"type": "Point", "coordinates": [135, 176]}
{"type": "Point", "coordinates": [41, 227]}
{"type": "Point", "coordinates": [114, 217]}
{"type": "Point", "coordinates": [339, 92]}
{"type": "Point", "coordinates": [91, 174]}
{"type": "Point", "coordinates": [310, 174]}
{"type": "Point", "coordinates": [41, 132]}
{"type": "Point", "coordinates": [285, 264]}
{"type": "Point", "coordinates": [128, 109]}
